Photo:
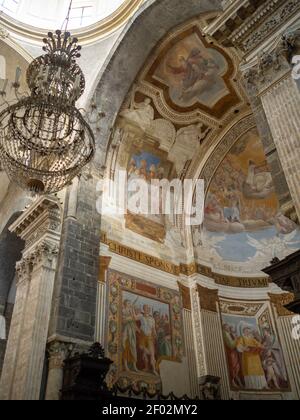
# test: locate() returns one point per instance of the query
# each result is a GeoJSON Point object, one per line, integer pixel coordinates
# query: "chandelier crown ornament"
{"type": "Point", "coordinates": [56, 74]}
{"type": "Point", "coordinates": [62, 45]}
{"type": "Point", "coordinates": [45, 141]}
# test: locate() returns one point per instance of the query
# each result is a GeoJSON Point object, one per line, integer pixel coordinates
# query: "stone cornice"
{"type": "Point", "coordinates": [188, 270]}
{"type": "Point", "coordinates": [43, 207]}
{"type": "Point", "coordinates": [234, 18]}
{"type": "Point", "coordinates": [247, 25]}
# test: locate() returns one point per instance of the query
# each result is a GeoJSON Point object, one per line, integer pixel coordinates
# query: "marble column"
{"type": "Point", "coordinates": [73, 198]}
{"type": "Point", "coordinates": [273, 81]}
{"type": "Point", "coordinates": [39, 227]}
{"type": "Point", "coordinates": [279, 180]}
{"type": "Point", "coordinates": [57, 352]}
{"type": "Point", "coordinates": [282, 107]}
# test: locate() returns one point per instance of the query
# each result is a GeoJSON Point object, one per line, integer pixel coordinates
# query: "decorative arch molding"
{"type": "Point", "coordinates": [224, 146]}
{"type": "Point", "coordinates": [151, 23]}
{"type": "Point", "coordinates": [210, 163]}
{"type": "Point", "coordinates": [2, 67]}
{"type": "Point", "coordinates": [6, 38]}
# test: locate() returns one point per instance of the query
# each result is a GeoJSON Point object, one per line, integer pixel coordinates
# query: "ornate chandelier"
{"type": "Point", "coordinates": [44, 139]}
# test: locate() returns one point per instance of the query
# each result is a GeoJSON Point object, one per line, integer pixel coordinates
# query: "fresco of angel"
{"type": "Point", "coordinates": [193, 69]}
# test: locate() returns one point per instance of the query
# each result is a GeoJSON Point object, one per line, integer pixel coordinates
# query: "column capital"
{"type": "Point", "coordinates": [41, 217]}
{"type": "Point", "coordinates": [45, 252]}
{"type": "Point", "coordinates": [271, 66]}
{"type": "Point", "coordinates": [23, 270]}
{"type": "Point", "coordinates": [57, 352]}
{"type": "Point", "coordinates": [280, 301]}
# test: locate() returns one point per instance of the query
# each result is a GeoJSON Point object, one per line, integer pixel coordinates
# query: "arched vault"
{"type": "Point", "coordinates": [144, 31]}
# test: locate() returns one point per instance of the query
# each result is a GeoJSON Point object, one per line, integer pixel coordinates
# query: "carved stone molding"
{"type": "Point", "coordinates": [45, 253]}
{"type": "Point", "coordinates": [57, 353]}
{"type": "Point", "coordinates": [23, 270]}
{"type": "Point", "coordinates": [40, 220]}
{"type": "Point", "coordinates": [246, 25]}
{"type": "Point", "coordinates": [229, 139]}
{"type": "Point", "coordinates": [39, 226]}
{"type": "Point", "coordinates": [274, 65]}
{"type": "Point", "coordinates": [104, 264]}
{"type": "Point", "coordinates": [270, 68]}
{"type": "Point", "coordinates": [198, 333]}
{"type": "Point", "coordinates": [3, 33]}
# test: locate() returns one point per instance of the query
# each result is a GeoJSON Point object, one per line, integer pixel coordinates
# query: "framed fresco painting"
{"type": "Point", "coordinates": [253, 350]}
{"type": "Point", "coordinates": [144, 328]}
{"type": "Point", "coordinates": [194, 75]}
{"type": "Point", "coordinates": [146, 162]}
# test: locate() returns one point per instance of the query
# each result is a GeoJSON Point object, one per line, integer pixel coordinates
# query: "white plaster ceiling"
{"type": "Point", "coordinates": [50, 14]}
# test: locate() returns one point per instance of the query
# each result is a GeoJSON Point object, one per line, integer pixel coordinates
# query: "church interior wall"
{"type": "Point", "coordinates": [203, 288]}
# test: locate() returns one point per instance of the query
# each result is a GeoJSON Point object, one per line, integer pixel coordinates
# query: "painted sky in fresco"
{"type": "Point", "coordinates": [243, 221]}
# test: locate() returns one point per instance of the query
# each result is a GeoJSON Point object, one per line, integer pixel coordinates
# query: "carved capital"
{"type": "Point", "coordinates": [271, 66]}
{"type": "Point", "coordinates": [57, 353]}
{"type": "Point", "coordinates": [23, 270]}
{"type": "Point", "coordinates": [44, 253]}
{"type": "Point", "coordinates": [280, 301]}
{"type": "Point", "coordinates": [104, 264]}
{"type": "Point", "coordinates": [290, 44]}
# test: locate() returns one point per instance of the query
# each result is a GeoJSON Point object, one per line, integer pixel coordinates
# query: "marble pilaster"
{"type": "Point", "coordinates": [39, 227]}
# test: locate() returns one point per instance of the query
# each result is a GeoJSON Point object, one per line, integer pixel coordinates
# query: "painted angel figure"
{"type": "Point", "coordinates": [193, 69]}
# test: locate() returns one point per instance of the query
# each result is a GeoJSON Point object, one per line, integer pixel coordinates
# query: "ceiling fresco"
{"type": "Point", "coordinates": [187, 111]}
{"type": "Point", "coordinates": [243, 222]}
{"type": "Point", "coordinates": [194, 74]}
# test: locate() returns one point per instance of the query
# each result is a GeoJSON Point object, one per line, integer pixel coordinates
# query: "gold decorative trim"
{"type": "Point", "coordinates": [188, 269]}
{"type": "Point", "coordinates": [140, 257]}
{"type": "Point", "coordinates": [279, 302]}
{"type": "Point", "coordinates": [184, 269]}
{"type": "Point", "coordinates": [86, 35]}
{"type": "Point", "coordinates": [185, 296]}
{"type": "Point", "coordinates": [231, 281]}
{"type": "Point", "coordinates": [104, 265]}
